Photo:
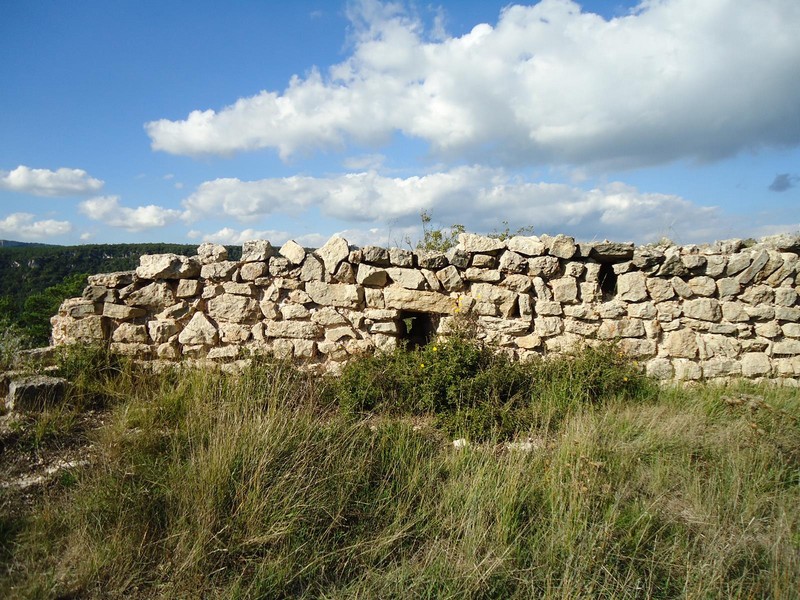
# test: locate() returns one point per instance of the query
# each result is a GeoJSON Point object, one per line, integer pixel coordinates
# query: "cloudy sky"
{"type": "Point", "coordinates": [146, 120]}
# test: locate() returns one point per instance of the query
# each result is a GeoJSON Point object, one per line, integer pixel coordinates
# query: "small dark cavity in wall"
{"type": "Point", "coordinates": [417, 329]}
{"type": "Point", "coordinates": [608, 281]}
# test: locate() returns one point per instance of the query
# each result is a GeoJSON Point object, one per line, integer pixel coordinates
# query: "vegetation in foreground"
{"type": "Point", "coordinates": [582, 479]}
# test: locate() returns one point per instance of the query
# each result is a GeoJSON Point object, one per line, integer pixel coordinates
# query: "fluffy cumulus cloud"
{"type": "Point", "coordinates": [546, 83]}
{"type": "Point", "coordinates": [493, 195]}
{"type": "Point", "coordinates": [25, 226]}
{"type": "Point", "coordinates": [108, 210]}
{"type": "Point", "coordinates": [44, 182]}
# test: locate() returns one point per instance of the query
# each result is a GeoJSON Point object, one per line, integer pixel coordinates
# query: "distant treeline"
{"type": "Point", "coordinates": [35, 279]}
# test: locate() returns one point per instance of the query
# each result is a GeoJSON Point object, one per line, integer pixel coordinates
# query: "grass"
{"type": "Point", "coordinates": [276, 484]}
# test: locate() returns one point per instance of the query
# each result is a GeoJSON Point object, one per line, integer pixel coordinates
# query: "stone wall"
{"type": "Point", "coordinates": [691, 312]}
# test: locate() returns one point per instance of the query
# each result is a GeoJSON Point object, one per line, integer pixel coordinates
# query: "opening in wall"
{"type": "Point", "coordinates": [417, 329]}
{"type": "Point", "coordinates": [608, 281]}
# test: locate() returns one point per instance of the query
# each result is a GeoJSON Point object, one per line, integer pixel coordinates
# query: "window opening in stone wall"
{"type": "Point", "coordinates": [417, 329]}
{"type": "Point", "coordinates": [608, 281]}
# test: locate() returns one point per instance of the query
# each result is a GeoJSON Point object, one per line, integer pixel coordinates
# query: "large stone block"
{"type": "Point", "coordinates": [199, 331]}
{"type": "Point", "coordinates": [333, 253]}
{"type": "Point", "coordinates": [632, 287]}
{"type": "Point", "coordinates": [293, 329]}
{"type": "Point", "coordinates": [35, 393]}
{"type": "Point", "coordinates": [341, 295]}
{"type": "Point", "coordinates": [234, 308]}
{"type": "Point", "coordinates": [704, 309]}
{"type": "Point", "coordinates": [418, 301]}
{"type": "Point", "coordinates": [167, 266]}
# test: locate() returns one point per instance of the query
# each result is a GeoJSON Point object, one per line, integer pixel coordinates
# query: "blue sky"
{"type": "Point", "coordinates": [188, 121]}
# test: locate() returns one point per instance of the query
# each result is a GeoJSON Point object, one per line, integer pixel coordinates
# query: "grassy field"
{"type": "Point", "coordinates": [580, 478]}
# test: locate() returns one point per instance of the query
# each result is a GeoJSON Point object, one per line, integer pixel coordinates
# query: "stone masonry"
{"type": "Point", "coordinates": [686, 313]}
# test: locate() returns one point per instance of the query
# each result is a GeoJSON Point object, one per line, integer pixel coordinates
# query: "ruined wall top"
{"type": "Point", "coordinates": [724, 309]}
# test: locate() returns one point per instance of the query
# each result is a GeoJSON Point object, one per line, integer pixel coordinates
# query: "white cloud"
{"type": "Point", "coordinates": [478, 197]}
{"type": "Point", "coordinates": [44, 182]}
{"type": "Point", "coordinates": [547, 84]}
{"type": "Point", "coordinates": [24, 226]}
{"type": "Point", "coordinates": [108, 210]}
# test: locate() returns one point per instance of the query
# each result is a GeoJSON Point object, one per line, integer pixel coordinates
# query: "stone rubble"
{"type": "Point", "coordinates": [694, 312]}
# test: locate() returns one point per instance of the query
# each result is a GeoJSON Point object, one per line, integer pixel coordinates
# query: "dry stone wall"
{"type": "Point", "coordinates": [687, 313]}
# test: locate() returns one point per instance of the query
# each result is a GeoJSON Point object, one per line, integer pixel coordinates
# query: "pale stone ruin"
{"type": "Point", "coordinates": [685, 312]}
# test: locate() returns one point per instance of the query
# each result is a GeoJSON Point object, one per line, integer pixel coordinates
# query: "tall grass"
{"type": "Point", "coordinates": [274, 484]}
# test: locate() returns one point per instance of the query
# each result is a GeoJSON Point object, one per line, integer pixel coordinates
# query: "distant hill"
{"type": "Point", "coordinates": [14, 244]}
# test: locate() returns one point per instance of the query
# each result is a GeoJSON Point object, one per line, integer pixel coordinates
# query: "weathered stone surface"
{"type": "Point", "coordinates": [547, 326]}
{"type": "Point", "coordinates": [239, 289]}
{"type": "Point", "coordinates": [99, 293]}
{"type": "Point", "coordinates": [35, 393]}
{"type": "Point", "coordinates": [759, 261]}
{"type": "Point", "coordinates": [256, 251]}
{"type": "Point", "coordinates": [721, 367]}
{"type": "Point", "coordinates": [450, 279]}
{"type": "Point", "coordinates": [294, 311]}
{"type": "Point", "coordinates": [410, 279]}
{"type": "Point", "coordinates": [791, 330]}
{"type": "Point", "coordinates": [253, 270]}
{"type": "Point", "coordinates": [621, 328]}
{"type": "Point", "coordinates": [404, 299]}
{"type": "Point", "coordinates": [432, 282]}
{"type": "Point", "coordinates": [375, 255]}
{"type": "Point", "coordinates": [233, 308]}
{"type": "Point", "coordinates": [548, 308]}
{"type": "Point", "coordinates": [681, 287]}
{"type": "Point", "coordinates": [632, 287]}
{"type": "Point", "coordinates": [400, 257]}
{"type": "Point", "coordinates": [755, 364]}
{"type": "Point", "coordinates": [470, 242]}
{"type": "Point", "coordinates": [511, 262]}
{"type": "Point", "coordinates": [293, 252]}
{"type": "Point", "coordinates": [785, 297]}
{"type": "Point", "coordinates": [161, 331]}
{"type": "Point", "coordinates": [218, 271]}
{"type": "Point", "coordinates": [703, 286]}
{"type": "Point", "coordinates": [737, 263]}
{"type": "Point", "coordinates": [167, 266]}
{"type": "Point", "coordinates": [333, 253]}
{"type": "Point", "coordinates": [659, 289]}
{"type": "Point", "coordinates": [681, 343]}
{"type": "Point", "coordinates": [659, 368]}
{"type": "Point", "coordinates": [611, 251]}
{"type": "Point", "coordinates": [155, 296]}
{"type": "Point", "coordinates": [710, 345]}
{"type": "Point", "coordinates": [371, 276]}
{"type": "Point", "coordinates": [312, 269]}
{"type": "Point", "coordinates": [705, 309]}
{"type": "Point", "coordinates": [561, 246]}
{"type": "Point", "coordinates": [787, 313]}
{"type": "Point", "coordinates": [673, 265]}
{"type": "Point", "coordinates": [728, 288]}
{"type": "Point", "coordinates": [208, 253]}
{"type": "Point", "coordinates": [279, 266]}
{"type": "Point", "coordinates": [786, 348]}
{"type": "Point", "coordinates": [456, 257]}
{"type": "Point", "coordinates": [483, 261]}
{"type": "Point", "coordinates": [565, 290]}
{"type": "Point", "coordinates": [341, 295]}
{"type": "Point", "coordinates": [188, 288]}
{"type": "Point", "coordinates": [128, 332]}
{"type": "Point", "coordinates": [693, 262]}
{"type": "Point", "coordinates": [199, 331]}
{"type": "Point", "coordinates": [293, 329]}
{"type": "Point", "coordinates": [526, 245]}
{"type": "Point", "coordinates": [114, 280]}
{"type": "Point", "coordinates": [543, 266]}
{"type": "Point", "coordinates": [431, 260]}
{"type": "Point", "coordinates": [482, 275]}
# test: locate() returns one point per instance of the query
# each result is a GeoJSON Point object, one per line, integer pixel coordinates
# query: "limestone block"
{"type": "Point", "coordinates": [755, 364]}
{"type": "Point", "coordinates": [759, 261]}
{"type": "Point", "coordinates": [620, 328]}
{"type": "Point", "coordinates": [702, 286]}
{"type": "Point", "coordinates": [526, 245]}
{"type": "Point", "coordinates": [312, 269]}
{"type": "Point", "coordinates": [129, 333]}
{"type": "Point", "coordinates": [632, 287]}
{"type": "Point", "coordinates": [482, 275]}
{"type": "Point", "coordinates": [566, 343]}
{"type": "Point", "coordinates": [591, 292]}
{"type": "Point", "coordinates": [659, 368]}
{"type": "Point", "coordinates": [269, 309]}
{"type": "Point", "coordinates": [411, 279]}
{"type": "Point", "coordinates": [787, 313]}
{"type": "Point", "coordinates": [715, 265]}
{"type": "Point", "coordinates": [432, 282]}
{"type": "Point", "coordinates": [507, 326]}
{"type": "Point", "coordinates": [791, 330]}
{"type": "Point", "coordinates": [293, 329]}
{"type": "Point", "coordinates": [642, 310]}
{"type": "Point", "coordinates": [659, 289]}
{"type": "Point", "coordinates": [121, 312]}
{"type": "Point", "coordinates": [282, 349]}
{"type": "Point", "coordinates": [623, 267]}
{"type": "Point", "coordinates": [734, 312]}
{"type": "Point", "coordinates": [785, 296]}
{"type": "Point", "coordinates": [710, 345]}
{"type": "Point", "coordinates": [483, 261]}
{"type": "Point", "coordinates": [592, 272]}
{"type": "Point", "coordinates": [279, 266]}
{"type": "Point", "coordinates": [647, 258]}
{"type": "Point", "coordinates": [681, 343]}
{"type": "Point", "coordinates": [548, 308]}
{"type": "Point", "coordinates": [668, 311]}
{"type": "Point", "coordinates": [686, 370]}
{"type": "Point", "coordinates": [341, 295]}
{"type": "Point", "coordinates": [208, 253]}
{"type": "Point", "coordinates": [770, 329]}
{"type": "Point", "coordinates": [335, 334]}
{"type": "Point", "coordinates": [299, 297]}
{"type": "Point", "coordinates": [721, 367]}
{"type": "Point", "coordinates": [543, 266]}
{"type": "Point", "coordinates": [256, 251]}
{"type": "Point", "coordinates": [758, 294]}
{"type": "Point", "coordinates": [518, 283]}
{"type": "Point", "coordinates": [199, 331]}
{"type": "Point", "coordinates": [582, 328]}
{"type": "Point", "coordinates": [399, 257]}
{"type": "Point", "coordinates": [431, 260]}
{"type": "Point", "coordinates": [504, 300]}
{"type": "Point", "coordinates": [612, 309]}
{"type": "Point", "coordinates": [211, 290]}
{"type": "Point", "coordinates": [373, 298]}
{"type": "Point", "coordinates": [167, 351]}
{"type": "Point", "coordinates": [705, 309]}
{"type": "Point", "coordinates": [218, 271]}
{"type": "Point", "coordinates": [450, 279]}
{"type": "Point", "coordinates": [333, 253]}
{"type": "Point", "coordinates": [387, 327]}
{"type": "Point", "coordinates": [673, 265]}
{"type": "Point", "coordinates": [541, 289]}
{"type": "Point", "coordinates": [787, 269]}
{"type": "Point", "coordinates": [574, 269]}
{"type": "Point", "coordinates": [374, 255]}
{"type": "Point", "coordinates": [547, 326]}
{"type": "Point", "coordinates": [187, 288]}
{"type": "Point", "coordinates": [511, 262]}
{"type": "Point", "coordinates": [294, 311]}
{"type": "Point", "coordinates": [581, 311]}
{"type": "Point", "coordinates": [161, 331]}
{"type": "Point", "coordinates": [529, 342]}
{"type": "Point", "coordinates": [681, 287]}
{"type": "Point", "coordinates": [637, 348]}
{"type": "Point", "coordinates": [561, 246]}
{"type": "Point", "coordinates": [611, 251]}
{"type": "Point", "coordinates": [332, 350]}
{"type": "Point", "coordinates": [737, 263]}
{"type": "Point", "coordinates": [384, 343]}
{"type": "Point", "coordinates": [154, 296]}
{"type": "Point", "coordinates": [223, 353]}
{"type": "Point", "coordinates": [693, 262]}
{"type": "Point", "coordinates": [786, 348]}
{"type": "Point", "coordinates": [239, 289]}
{"type": "Point", "coordinates": [327, 316]}
{"type": "Point", "coordinates": [115, 280]}
{"type": "Point", "coordinates": [565, 290]}
{"type": "Point", "coordinates": [167, 266]}
{"type": "Point", "coordinates": [371, 276]}
{"type": "Point", "coordinates": [763, 312]}
{"type": "Point", "coordinates": [233, 308]}
{"type": "Point", "coordinates": [98, 293]}
{"type": "Point", "coordinates": [728, 288]}
{"type": "Point", "coordinates": [253, 270]}
{"type": "Point", "coordinates": [304, 349]}
{"type": "Point", "coordinates": [35, 393]}
{"type": "Point", "coordinates": [525, 304]}
{"type": "Point", "coordinates": [293, 252]}
{"type": "Point", "coordinates": [431, 302]}
{"type": "Point", "coordinates": [470, 242]}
